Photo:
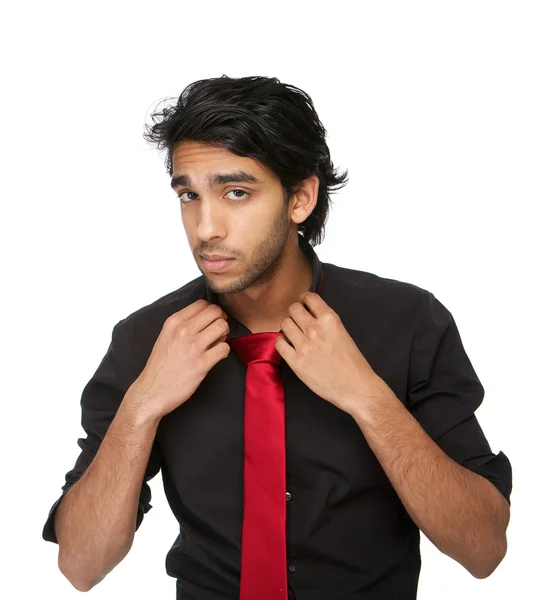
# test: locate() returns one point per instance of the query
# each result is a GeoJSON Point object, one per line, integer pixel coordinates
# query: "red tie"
{"type": "Point", "coordinates": [263, 542]}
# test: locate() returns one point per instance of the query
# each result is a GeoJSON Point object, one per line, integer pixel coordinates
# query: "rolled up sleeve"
{"type": "Point", "coordinates": [444, 392]}
{"type": "Point", "coordinates": [100, 400]}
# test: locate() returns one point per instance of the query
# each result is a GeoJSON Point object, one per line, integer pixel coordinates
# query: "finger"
{"type": "Point", "coordinates": [300, 315]}
{"type": "Point", "coordinates": [292, 332]}
{"type": "Point", "coordinates": [285, 350]}
{"type": "Point", "coordinates": [314, 304]}
{"type": "Point", "coordinates": [188, 312]}
{"type": "Point", "coordinates": [204, 318]}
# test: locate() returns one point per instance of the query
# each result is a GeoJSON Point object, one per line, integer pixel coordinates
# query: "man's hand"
{"type": "Point", "coordinates": [324, 356]}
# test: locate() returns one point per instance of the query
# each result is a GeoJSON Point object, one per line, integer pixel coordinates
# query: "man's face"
{"type": "Point", "coordinates": [251, 225]}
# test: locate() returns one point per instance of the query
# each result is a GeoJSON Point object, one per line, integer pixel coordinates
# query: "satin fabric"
{"type": "Point", "coordinates": [263, 544]}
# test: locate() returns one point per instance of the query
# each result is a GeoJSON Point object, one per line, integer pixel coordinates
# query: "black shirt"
{"type": "Point", "coordinates": [348, 534]}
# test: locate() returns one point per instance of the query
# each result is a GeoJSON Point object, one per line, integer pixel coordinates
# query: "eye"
{"type": "Point", "coordinates": [180, 196]}
{"type": "Point", "coordinates": [237, 197]}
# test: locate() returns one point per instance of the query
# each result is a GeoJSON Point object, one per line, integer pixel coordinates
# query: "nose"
{"type": "Point", "coordinates": [210, 221]}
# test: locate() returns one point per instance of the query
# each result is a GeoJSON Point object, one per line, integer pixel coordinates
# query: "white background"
{"type": "Point", "coordinates": [434, 107]}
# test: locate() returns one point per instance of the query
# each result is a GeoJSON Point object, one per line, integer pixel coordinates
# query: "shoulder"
{"type": "Point", "coordinates": [372, 289]}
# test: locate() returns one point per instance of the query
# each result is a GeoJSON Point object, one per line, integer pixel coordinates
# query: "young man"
{"type": "Point", "coordinates": [380, 439]}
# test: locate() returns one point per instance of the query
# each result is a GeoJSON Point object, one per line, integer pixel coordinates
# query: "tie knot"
{"type": "Point", "coordinates": [255, 347]}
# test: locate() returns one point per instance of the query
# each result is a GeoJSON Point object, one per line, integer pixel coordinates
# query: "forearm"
{"type": "Point", "coordinates": [462, 513]}
{"type": "Point", "coordinates": [95, 521]}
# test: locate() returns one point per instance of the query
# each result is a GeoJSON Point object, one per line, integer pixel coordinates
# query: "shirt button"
{"type": "Point", "coordinates": [292, 568]}
{"type": "Point", "coordinates": [288, 496]}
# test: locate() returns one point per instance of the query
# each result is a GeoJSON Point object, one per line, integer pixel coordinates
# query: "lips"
{"type": "Point", "coordinates": [216, 257]}
{"type": "Point", "coordinates": [217, 265]}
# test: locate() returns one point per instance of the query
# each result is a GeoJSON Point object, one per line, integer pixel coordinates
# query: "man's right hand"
{"type": "Point", "coordinates": [190, 343]}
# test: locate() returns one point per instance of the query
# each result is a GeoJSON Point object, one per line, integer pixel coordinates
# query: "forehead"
{"type": "Point", "coordinates": [196, 157]}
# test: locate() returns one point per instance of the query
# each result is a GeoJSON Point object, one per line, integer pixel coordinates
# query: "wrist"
{"type": "Point", "coordinates": [138, 404]}
{"type": "Point", "coordinates": [377, 400]}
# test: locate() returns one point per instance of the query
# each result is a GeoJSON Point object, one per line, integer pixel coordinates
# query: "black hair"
{"type": "Point", "coordinates": [258, 117]}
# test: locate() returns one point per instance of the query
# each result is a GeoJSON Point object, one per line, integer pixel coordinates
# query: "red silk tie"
{"type": "Point", "coordinates": [263, 542]}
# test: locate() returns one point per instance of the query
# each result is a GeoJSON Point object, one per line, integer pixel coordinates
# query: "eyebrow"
{"type": "Point", "coordinates": [214, 179]}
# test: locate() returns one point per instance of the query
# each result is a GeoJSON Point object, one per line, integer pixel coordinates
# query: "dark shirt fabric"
{"type": "Point", "coordinates": [348, 534]}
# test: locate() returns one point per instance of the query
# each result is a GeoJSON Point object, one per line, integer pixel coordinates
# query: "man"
{"type": "Point", "coordinates": [379, 394]}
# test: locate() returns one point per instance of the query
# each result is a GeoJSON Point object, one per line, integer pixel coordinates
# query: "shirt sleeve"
{"type": "Point", "coordinates": [100, 401]}
{"type": "Point", "coordinates": [444, 393]}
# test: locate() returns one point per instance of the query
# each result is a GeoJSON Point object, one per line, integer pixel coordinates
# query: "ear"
{"type": "Point", "coordinates": [305, 199]}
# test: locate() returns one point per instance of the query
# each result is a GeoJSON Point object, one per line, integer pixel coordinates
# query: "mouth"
{"type": "Point", "coordinates": [217, 265]}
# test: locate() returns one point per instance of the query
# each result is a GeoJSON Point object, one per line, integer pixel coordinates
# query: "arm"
{"type": "Point", "coordinates": [462, 514]}
{"type": "Point", "coordinates": [434, 451]}
{"type": "Point", "coordinates": [96, 520]}
{"type": "Point", "coordinates": [107, 471]}
{"type": "Point", "coordinates": [428, 464]}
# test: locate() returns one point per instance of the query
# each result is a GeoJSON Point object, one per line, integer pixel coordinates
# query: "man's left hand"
{"type": "Point", "coordinates": [324, 356]}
